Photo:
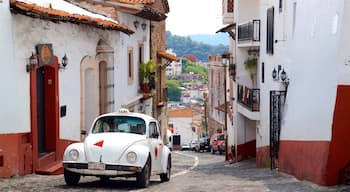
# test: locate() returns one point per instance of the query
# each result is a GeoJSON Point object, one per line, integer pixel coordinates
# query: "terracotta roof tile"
{"type": "Point", "coordinates": [167, 56]}
{"type": "Point", "coordinates": [36, 11]}
{"type": "Point", "coordinates": [135, 1]}
{"type": "Point", "coordinates": [180, 113]}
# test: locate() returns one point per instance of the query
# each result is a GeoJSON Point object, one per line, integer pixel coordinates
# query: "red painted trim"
{"type": "Point", "coordinates": [263, 157]}
{"type": "Point", "coordinates": [246, 150]}
{"type": "Point", "coordinates": [306, 160]}
{"type": "Point", "coordinates": [339, 154]}
{"type": "Point", "coordinates": [33, 116]}
{"type": "Point", "coordinates": [16, 154]}
{"type": "Point", "coordinates": [53, 121]}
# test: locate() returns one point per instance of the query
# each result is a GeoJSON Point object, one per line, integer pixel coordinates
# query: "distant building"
{"type": "Point", "coordinates": [182, 122]}
{"type": "Point", "coordinates": [173, 68]}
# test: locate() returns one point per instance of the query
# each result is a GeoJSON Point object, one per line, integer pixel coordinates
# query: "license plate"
{"type": "Point", "coordinates": [96, 166]}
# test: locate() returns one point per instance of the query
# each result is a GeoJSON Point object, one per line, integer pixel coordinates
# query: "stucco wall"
{"type": "Point", "coordinates": [77, 41]}
{"type": "Point", "coordinates": [343, 59]}
{"type": "Point", "coordinates": [182, 126]}
{"type": "Point", "coordinates": [270, 62]}
{"type": "Point", "coordinates": [14, 96]}
{"type": "Point", "coordinates": [247, 10]}
{"type": "Point", "coordinates": [124, 93]}
{"type": "Point", "coordinates": [312, 70]}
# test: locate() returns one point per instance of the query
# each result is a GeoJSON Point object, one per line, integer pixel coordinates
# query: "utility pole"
{"type": "Point", "coordinates": [224, 62]}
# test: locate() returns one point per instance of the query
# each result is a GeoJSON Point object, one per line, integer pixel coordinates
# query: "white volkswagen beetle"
{"type": "Point", "coordinates": [119, 144]}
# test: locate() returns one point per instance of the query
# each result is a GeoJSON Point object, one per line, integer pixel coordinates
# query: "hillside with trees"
{"type": "Point", "coordinates": [185, 45]}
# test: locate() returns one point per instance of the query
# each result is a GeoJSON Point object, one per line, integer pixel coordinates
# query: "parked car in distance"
{"type": "Point", "coordinates": [203, 145]}
{"type": "Point", "coordinates": [217, 143]}
{"type": "Point", "coordinates": [194, 144]}
{"type": "Point", "coordinates": [119, 144]}
{"type": "Point", "coordinates": [185, 147]}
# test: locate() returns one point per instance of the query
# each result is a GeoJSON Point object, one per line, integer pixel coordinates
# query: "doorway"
{"type": "Point", "coordinates": [46, 84]}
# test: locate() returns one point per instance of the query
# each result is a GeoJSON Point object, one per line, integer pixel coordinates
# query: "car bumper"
{"type": "Point", "coordinates": [108, 169]}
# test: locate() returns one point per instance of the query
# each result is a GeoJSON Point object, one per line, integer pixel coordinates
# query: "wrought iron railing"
{"type": "Point", "coordinates": [250, 98]}
{"type": "Point", "coordinates": [249, 31]}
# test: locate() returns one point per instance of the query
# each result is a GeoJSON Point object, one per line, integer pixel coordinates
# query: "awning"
{"type": "Point", "coordinates": [167, 56]}
{"type": "Point", "coordinates": [149, 13]}
{"type": "Point", "coordinates": [228, 29]}
{"type": "Point", "coordinates": [60, 10]}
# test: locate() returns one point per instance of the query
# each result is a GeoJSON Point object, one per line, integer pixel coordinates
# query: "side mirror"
{"type": "Point", "coordinates": [83, 132]}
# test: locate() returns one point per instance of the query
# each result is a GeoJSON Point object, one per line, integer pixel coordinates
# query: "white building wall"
{"type": "Point", "coordinates": [247, 10]}
{"type": "Point", "coordinates": [343, 59]}
{"type": "Point", "coordinates": [124, 93]}
{"type": "Point", "coordinates": [77, 42]}
{"type": "Point", "coordinates": [183, 127]}
{"type": "Point", "coordinates": [14, 96]}
{"type": "Point", "coordinates": [270, 62]}
{"type": "Point", "coordinates": [312, 70]}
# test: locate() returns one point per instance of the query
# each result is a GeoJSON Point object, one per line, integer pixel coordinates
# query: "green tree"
{"type": "Point", "coordinates": [173, 92]}
{"type": "Point", "coordinates": [185, 45]}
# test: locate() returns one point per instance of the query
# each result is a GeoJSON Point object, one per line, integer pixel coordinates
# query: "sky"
{"type": "Point", "coordinates": [188, 17]}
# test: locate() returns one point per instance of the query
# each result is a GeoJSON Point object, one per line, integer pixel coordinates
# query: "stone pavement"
{"type": "Point", "coordinates": [191, 172]}
{"type": "Point", "coordinates": [214, 174]}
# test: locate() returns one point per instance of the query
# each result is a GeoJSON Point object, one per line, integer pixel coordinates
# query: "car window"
{"type": "Point", "coordinates": [153, 130]}
{"type": "Point", "coordinates": [123, 124]}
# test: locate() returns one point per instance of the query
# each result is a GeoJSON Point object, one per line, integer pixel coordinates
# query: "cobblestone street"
{"type": "Point", "coordinates": [197, 172]}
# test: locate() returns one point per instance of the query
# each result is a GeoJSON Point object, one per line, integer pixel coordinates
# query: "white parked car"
{"type": "Point", "coordinates": [121, 144]}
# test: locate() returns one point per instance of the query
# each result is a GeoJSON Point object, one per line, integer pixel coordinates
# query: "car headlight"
{"type": "Point", "coordinates": [74, 154]}
{"type": "Point", "coordinates": [131, 156]}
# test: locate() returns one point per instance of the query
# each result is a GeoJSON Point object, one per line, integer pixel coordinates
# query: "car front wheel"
{"type": "Point", "coordinates": [143, 177]}
{"type": "Point", "coordinates": [71, 178]}
{"type": "Point", "coordinates": [166, 176]}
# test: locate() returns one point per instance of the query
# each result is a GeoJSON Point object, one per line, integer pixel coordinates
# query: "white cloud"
{"type": "Point", "coordinates": [187, 17]}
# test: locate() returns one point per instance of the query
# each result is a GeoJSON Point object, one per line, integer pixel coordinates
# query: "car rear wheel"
{"type": "Point", "coordinates": [166, 176]}
{"type": "Point", "coordinates": [71, 178]}
{"type": "Point", "coordinates": [143, 177]}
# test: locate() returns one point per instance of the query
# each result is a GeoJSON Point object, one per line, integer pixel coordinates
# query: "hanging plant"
{"type": "Point", "coordinates": [250, 65]}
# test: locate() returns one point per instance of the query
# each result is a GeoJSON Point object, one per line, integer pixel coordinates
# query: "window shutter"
{"type": "Point", "coordinates": [270, 31]}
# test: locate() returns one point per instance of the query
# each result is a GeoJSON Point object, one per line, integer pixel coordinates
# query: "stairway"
{"type": "Point", "coordinates": [48, 165]}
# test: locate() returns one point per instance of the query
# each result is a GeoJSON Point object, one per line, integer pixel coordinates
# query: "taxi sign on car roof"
{"type": "Point", "coordinates": [123, 110]}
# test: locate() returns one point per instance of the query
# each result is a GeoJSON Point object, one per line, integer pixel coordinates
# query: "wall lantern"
{"type": "Point", "coordinates": [64, 62]}
{"type": "Point", "coordinates": [136, 24]}
{"type": "Point", "coordinates": [143, 26]}
{"type": "Point", "coordinates": [282, 75]}
{"type": "Point", "coordinates": [32, 63]}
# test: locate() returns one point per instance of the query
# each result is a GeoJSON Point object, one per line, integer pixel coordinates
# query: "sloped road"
{"type": "Point", "coordinates": [192, 172]}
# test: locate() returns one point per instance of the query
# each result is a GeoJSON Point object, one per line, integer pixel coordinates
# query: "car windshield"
{"type": "Point", "coordinates": [221, 137]}
{"type": "Point", "coordinates": [124, 124]}
{"type": "Point", "coordinates": [203, 139]}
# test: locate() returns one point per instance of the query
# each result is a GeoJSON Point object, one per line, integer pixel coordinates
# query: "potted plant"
{"type": "Point", "coordinates": [147, 75]}
{"type": "Point", "coordinates": [250, 65]}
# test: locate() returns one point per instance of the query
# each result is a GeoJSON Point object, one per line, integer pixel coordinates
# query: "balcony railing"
{"type": "Point", "coordinates": [249, 98]}
{"type": "Point", "coordinates": [249, 31]}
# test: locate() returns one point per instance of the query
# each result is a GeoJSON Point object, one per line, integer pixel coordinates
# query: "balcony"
{"type": "Point", "coordinates": [249, 102]}
{"type": "Point", "coordinates": [249, 34]}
